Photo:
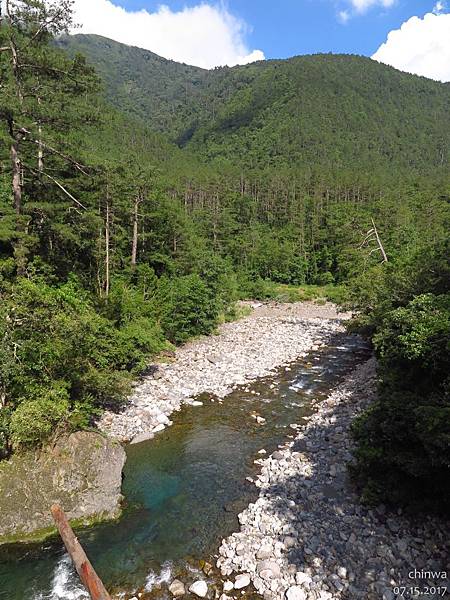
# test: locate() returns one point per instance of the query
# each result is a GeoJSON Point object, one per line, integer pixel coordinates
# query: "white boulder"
{"type": "Point", "coordinates": [296, 593]}
{"type": "Point", "coordinates": [199, 588]}
{"type": "Point", "coordinates": [241, 581]}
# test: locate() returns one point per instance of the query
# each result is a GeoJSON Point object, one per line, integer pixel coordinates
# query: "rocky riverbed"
{"type": "Point", "coordinates": [308, 537]}
{"type": "Point", "coordinates": [242, 351]}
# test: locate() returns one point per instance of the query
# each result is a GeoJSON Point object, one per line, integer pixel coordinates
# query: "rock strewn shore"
{"type": "Point", "coordinates": [241, 352]}
{"type": "Point", "coordinates": [308, 537]}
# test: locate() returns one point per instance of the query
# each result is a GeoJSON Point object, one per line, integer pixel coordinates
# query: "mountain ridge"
{"type": "Point", "coordinates": [333, 109]}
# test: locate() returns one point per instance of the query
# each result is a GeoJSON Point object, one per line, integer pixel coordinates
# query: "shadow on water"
{"type": "Point", "coordinates": [185, 488]}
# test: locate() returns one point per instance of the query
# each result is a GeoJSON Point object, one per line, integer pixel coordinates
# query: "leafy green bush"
{"type": "Point", "coordinates": [35, 420]}
{"type": "Point", "coordinates": [325, 278]}
{"type": "Point", "coordinates": [130, 297]}
{"type": "Point", "coordinates": [187, 308]}
{"type": "Point", "coordinates": [381, 288]}
{"type": "Point", "coordinates": [417, 335]}
{"type": "Point", "coordinates": [63, 359]}
{"type": "Point", "coordinates": [273, 254]}
{"type": "Point", "coordinates": [236, 312]}
{"type": "Point", "coordinates": [218, 275]}
{"type": "Point", "coordinates": [336, 293]}
{"type": "Point", "coordinates": [137, 340]}
{"type": "Point", "coordinates": [5, 420]}
{"type": "Point", "coordinates": [256, 288]}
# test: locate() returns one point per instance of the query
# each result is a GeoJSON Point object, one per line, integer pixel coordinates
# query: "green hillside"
{"type": "Point", "coordinates": [332, 110]}
{"type": "Point", "coordinates": [343, 110]}
{"type": "Point", "coordinates": [141, 84]}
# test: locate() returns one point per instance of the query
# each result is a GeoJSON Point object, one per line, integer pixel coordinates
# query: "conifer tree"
{"type": "Point", "coordinates": [44, 97]}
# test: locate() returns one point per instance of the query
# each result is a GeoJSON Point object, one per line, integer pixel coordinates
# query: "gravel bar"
{"type": "Point", "coordinates": [241, 352]}
{"type": "Point", "coordinates": [308, 537]}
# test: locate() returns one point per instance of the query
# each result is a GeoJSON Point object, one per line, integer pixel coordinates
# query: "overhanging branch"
{"type": "Point", "coordinates": [61, 187]}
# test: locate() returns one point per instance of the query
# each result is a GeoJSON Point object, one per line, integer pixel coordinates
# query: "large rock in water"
{"type": "Point", "coordinates": [82, 472]}
{"type": "Point", "coordinates": [177, 588]}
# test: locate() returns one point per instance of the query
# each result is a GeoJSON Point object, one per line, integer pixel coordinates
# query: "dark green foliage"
{"type": "Point", "coordinates": [219, 276]}
{"type": "Point", "coordinates": [34, 421]}
{"type": "Point", "coordinates": [188, 307]}
{"type": "Point", "coordinates": [417, 335]}
{"type": "Point", "coordinates": [403, 440]}
{"type": "Point", "coordinates": [141, 83]}
{"type": "Point", "coordinates": [68, 355]}
{"type": "Point", "coordinates": [256, 287]}
{"type": "Point", "coordinates": [45, 99]}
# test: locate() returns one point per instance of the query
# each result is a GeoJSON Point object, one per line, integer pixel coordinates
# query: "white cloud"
{"type": "Point", "coordinates": [203, 35]}
{"type": "Point", "coordinates": [343, 16]}
{"type": "Point", "coordinates": [360, 7]}
{"type": "Point", "coordinates": [420, 46]}
{"type": "Point", "coordinates": [363, 5]}
{"type": "Point", "coordinates": [439, 7]}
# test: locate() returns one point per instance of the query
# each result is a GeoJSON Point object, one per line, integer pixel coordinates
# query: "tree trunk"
{"type": "Point", "coordinates": [16, 164]}
{"type": "Point", "coordinates": [85, 570]}
{"type": "Point", "coordinates": [40, 152]}
{"type": "Point", "coordinates": [134, 247]}
{"type": "Point", "coordinates": [40, 145]}
{"type": "Point", "coordinates": [380, 245]}
{"type": "Point", "coordinates": [16, 178]}
{"type": "Point", "coordinates": [107, 249]}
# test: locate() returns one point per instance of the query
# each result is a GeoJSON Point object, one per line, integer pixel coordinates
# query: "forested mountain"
{"type": "Point", "coordinates": [140, 83]}
{"type": "Point", "coordinates": [327, 110]}
{"type": "Point", "coordinates": [135, 217]}
{"type": "Point", "coordinates": [331, 111]}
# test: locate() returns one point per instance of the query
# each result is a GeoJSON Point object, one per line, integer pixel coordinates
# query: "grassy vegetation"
{"type": "Point", "coordinates": [315, 293]}
{"type": "Point", "coordinates": [236, 312]}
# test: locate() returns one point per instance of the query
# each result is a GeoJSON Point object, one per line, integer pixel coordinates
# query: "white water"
{"type": "Point", "coordinates": [154, 580]}
{"type": "Point", "coordinates": [65, 584]}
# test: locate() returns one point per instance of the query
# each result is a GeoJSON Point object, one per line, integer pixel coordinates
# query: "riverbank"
{"type": "Point", "coordinates": [241, 352]}
{"type": "Point", "coordinates": [307, 537]}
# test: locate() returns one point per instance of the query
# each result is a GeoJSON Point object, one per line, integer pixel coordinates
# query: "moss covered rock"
{"type": "Point", "coordinates": [82, 472]}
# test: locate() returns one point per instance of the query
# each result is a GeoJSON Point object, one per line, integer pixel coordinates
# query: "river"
{"type": "Point", "coordinates": [184, 489]}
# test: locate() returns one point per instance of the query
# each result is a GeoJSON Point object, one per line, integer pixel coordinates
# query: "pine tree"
{"type": "Point", "coordinates": [44, 98]}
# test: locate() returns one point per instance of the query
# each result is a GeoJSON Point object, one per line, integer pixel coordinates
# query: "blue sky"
{"type": "Point", "coordinates": [288, 27]}
{"type": "Point", "coordinates": [411, 35]}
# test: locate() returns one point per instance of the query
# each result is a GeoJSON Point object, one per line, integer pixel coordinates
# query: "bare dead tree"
{"type": "Point", "coordinates": [134, 246]}
{"type": "Point", "coordinates": [373, 236]}
{"type": "Point", "coordinates": [107, 245]}
{"type": "Point", "coordinates": [14, 148]}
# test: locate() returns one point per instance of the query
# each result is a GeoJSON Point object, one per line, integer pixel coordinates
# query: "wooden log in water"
{"type": "Point", "coordinates": [85, 570]}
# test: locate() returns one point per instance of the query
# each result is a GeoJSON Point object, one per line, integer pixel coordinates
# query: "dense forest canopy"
{"type": "Point", "coordinates": [140, 198]}
{"type": "Point", "coordinates": [325, 110]}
